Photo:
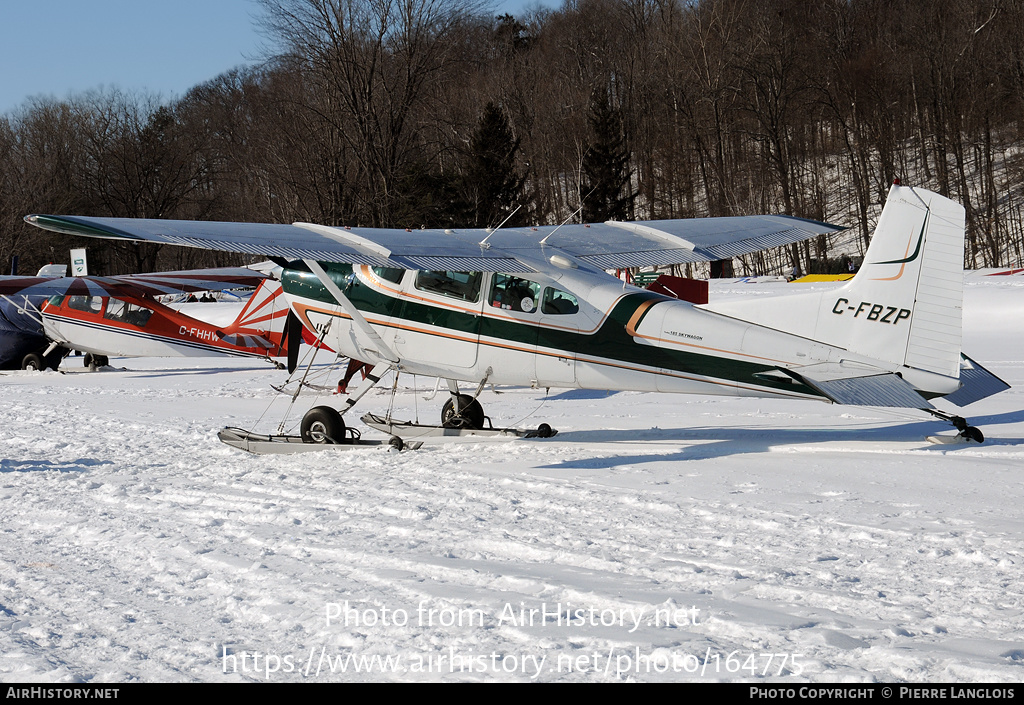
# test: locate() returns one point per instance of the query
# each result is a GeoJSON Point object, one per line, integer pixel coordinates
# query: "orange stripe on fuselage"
{"type": "Point", "coordinates": [303, 309]}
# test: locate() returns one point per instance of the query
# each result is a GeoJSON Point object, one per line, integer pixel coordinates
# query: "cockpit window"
{"type": "Point", "coordinates": [89, 304]}
{"type": "Point", "coordinates": [558, 302]}
{"type": "Point", "coordinates": [513, 293]}
{"type": "Point", "coordinates": [457, 285]}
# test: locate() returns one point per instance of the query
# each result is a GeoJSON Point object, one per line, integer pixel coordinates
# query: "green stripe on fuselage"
{"type": "Point", "coordinates": [610, 341]}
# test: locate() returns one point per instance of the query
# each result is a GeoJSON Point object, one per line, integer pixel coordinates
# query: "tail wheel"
{"type": "Point", "coordinates": [974, 434]}
{"type": "Point", "coordinates": [470, 414]}
{"type": "Point", "coordinates": [324, 425]}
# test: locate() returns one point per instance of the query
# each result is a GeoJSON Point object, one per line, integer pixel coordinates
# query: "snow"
{"type": "Point", "coordinates": [656, 538]}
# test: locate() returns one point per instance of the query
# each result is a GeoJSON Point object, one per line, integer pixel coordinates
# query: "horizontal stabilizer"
{"type": "Point", "coordinates": [977, 382]}
{"type": "Point", "coordinates": [875, 389]}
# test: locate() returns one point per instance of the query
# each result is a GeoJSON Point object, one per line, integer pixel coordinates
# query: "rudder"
{"type": "Point", "coordinates": [905, 305]}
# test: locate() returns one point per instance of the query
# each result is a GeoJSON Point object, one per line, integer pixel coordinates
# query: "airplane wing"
{"type": "Point", "coordinates": [133, 284]}
{"type": "Point", "coordinates": [608, 245]}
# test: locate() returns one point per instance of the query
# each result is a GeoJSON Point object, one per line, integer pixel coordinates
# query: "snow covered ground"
{"type": "Point", "coordinates": [656, 538]}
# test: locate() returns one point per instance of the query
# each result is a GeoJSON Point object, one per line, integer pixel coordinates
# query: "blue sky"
{"type": "Point", "coordinates": [65, 47]}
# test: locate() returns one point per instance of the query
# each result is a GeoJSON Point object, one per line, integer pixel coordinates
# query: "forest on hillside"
{"type": "Point", "coordinates": [437, 113]}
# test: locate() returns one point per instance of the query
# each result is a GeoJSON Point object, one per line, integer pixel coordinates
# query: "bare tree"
{"type": "Point", "coordinates": [374, 65]}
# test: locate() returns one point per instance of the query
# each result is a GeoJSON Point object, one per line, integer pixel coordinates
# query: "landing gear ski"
{"type": "Point", "coordinates": [461, 417]}
{"type": "Point", "coordinates": [408, 430]}
{"type": "Point", "coordinates": [322, 428]}
{"type": "Point", "coordinates": [260, 444]}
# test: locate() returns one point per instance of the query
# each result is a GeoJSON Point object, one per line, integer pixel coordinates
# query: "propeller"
{"type": "Point", "coordinates": [292, 339]}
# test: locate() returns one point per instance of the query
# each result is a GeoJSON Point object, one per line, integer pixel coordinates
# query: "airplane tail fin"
{"type": "Point", "coordinates": [906, 303]}
{"type": "Point", "coordinates": [262, 322]}
{"type": "Point", "coordinates": [903, 307]}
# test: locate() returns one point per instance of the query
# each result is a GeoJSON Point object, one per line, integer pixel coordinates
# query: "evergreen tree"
{"type": "Point", "coordinates": [607, 179]}
{"type": "Point", "coordinates": [493, 186]}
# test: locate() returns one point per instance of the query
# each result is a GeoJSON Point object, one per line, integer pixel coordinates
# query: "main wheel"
{"type": "Point", "coordinates": [94, 362]}
{"type": "Point", "coordinates": [322, 424]}
{"type": "Point", "coordinates": [32, 361]}
{"type": "Point", "coordinates": [470, 414]}
{"type": "Point", "coordinates": [974, 434]}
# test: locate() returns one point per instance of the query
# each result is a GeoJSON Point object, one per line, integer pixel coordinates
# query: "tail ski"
{"type": "Point", "coordinates": [903, 308]}
{"type": "Point", "coordinates": [261, 324]}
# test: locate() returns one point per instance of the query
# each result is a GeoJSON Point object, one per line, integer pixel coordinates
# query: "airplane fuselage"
{"type": "Point", "coordinates": [104, 325]}
{"type": "Point", "coordinates": [604, 335]}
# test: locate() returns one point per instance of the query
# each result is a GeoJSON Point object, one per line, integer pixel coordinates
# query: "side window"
{"type": "Point", "coordinates": [118, 310]}
{"type": "Point", "coordinates": [390, 274]}
{"type": "Point", "coordinates": [514, 293]}
{"type": "Point", "coordinates": [457, 285]}
{"type": "Point", "coordinates": [558, 302]}
{"type": "Point", "coordinates": [89, 304]}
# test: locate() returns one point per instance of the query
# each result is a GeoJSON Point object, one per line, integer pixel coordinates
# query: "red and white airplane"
{"type": "Point", "coordinates": [121, 317]}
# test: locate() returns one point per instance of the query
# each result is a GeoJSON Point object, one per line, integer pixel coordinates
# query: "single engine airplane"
{"type": "Point", "coordinates": [535, 306]}
{"type": "Point", "coordinates": [120, 316]}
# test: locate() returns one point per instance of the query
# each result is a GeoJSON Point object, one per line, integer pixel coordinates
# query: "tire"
{"type": "Point", "coordinates": [94, 362]}
{"type": "Point", "coordinates": [974, 434]}
{"type": "Point", "coordinates": [470, 416]}
{"type": "Point", "coordinates": [33, 361]}
{"type": "Point", "coordinates": [324, 425]}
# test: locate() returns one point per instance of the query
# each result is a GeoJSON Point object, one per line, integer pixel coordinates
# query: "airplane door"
{"type": "Point", "coordinates": [439, 319]}
{"type": "Point", "coordinates": [557, 336]}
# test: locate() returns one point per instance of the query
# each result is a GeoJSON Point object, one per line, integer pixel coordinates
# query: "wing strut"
{"type": "Point", "coordinates": [357, 318]}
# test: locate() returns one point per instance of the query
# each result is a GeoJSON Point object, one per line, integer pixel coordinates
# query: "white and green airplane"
{"type": "Point", "coordinates": [535, 306]}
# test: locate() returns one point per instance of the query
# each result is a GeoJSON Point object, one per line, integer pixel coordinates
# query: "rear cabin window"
{"type": "Point", "coordinates": [390, 274]}
{"type": "Point", "coordinates": [125, 312]}
{"type": "Point", "coordinates": [513, 293]}
{"type": "Point", "coordinates": [558, 302]}
{"type": "Point", "coordinates": [464, 286]}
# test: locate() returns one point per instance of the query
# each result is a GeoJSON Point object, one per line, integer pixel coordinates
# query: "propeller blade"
{"type": "Point", "coordinates": [292, 339]}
